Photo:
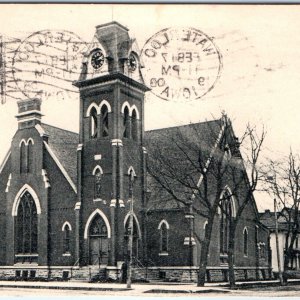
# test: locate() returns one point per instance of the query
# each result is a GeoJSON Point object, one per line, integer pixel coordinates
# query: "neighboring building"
{"type": "Point", "coordinates": [268, 219]}
{"type": "Point", "coordinates": [66, 197]}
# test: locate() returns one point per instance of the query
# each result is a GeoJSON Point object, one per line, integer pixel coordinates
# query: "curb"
{"type": "Point", "coordinates": [41, 287]}
{"type": "Point", "coordinates": [161, 291]}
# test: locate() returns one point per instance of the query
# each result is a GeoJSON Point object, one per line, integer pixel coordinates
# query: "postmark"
{"type": "Point", "coordinates": [181, 64]}
{"type": "Point", "coordinates": [46, 63]}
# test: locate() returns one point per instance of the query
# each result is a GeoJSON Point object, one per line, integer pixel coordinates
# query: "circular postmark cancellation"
{"type": "Point", "coordinates": [47, 62]}
{"type": "Point", "coordinates": [181, 64]}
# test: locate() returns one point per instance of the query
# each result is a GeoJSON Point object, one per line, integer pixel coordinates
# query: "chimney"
{"type": "Point", "coordinates": [29, 113]}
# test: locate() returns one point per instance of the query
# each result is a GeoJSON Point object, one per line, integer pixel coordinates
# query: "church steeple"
{"type": "Point", "coordinates": [111, 135]}
{"type": "Point", "coordinates": [112, 51]}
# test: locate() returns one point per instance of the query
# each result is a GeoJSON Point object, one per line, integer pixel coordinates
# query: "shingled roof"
{"type": "Point", "coordinates": [193, 140]}
{"type": "Point", "coordinates": [64, 144]}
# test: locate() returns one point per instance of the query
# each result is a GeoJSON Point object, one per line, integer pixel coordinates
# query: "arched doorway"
{"type": "Point", "coordinates": [98, 241]}
{"type": "Point", "coordinates": [26, 226]}
{"type": "Point", "coordinates": [135, 240]}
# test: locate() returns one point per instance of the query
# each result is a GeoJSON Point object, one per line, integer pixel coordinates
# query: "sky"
{"type": "Point", "coordinates": [258, 82]}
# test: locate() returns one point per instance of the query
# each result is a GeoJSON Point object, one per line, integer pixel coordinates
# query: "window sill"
{"type": "Point", "coordinates": [163, 254]}
{"type": "Point", "coordinates": [67, 254]}
{"type": "Point", "coordinates": [97, 200]}
{"type": "Point", "coordinates": [26, 255]}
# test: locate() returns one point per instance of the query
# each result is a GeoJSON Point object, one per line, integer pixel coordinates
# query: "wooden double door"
{"type": "Point", "coordinates": [98, 242]}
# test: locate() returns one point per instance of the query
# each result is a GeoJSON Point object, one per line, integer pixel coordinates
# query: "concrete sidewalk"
{"type": "Point", "coordinates": [159, 287]}
{"type": "Point", "coordinates": [115, 287]}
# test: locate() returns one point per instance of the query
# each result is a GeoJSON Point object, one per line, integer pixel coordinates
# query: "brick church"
{"type": "Point", "coordinates": [65, 197]}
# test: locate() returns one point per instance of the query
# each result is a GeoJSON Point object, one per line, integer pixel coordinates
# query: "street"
{"type": "Point", "coordinates": [158, 291]}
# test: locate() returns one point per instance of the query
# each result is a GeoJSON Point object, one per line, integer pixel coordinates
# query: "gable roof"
{"type": "Point", "coordinates": [63, 144]}
{"type": "Point", "coordinates": [194, 138]}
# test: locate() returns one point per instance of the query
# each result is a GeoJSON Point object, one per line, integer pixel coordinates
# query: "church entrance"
{"type": "Point", "coordinates": [98, 242]}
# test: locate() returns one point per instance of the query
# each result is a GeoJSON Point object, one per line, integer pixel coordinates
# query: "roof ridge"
{"type": "Point", "coordinates": [185, 125]}
{"type": "Point", "coordinates": [73, 132]}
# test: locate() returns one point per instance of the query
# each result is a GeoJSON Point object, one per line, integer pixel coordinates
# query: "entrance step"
{"type": "Point", "coordinates": [89, 273]}
{"type": "Point", "coordinates": [74, 279]}
{"type": "Point", "coordinates": [100, 275]}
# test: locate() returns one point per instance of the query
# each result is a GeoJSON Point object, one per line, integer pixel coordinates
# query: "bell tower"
{"type": "Point", "coordinates": [111, 157]}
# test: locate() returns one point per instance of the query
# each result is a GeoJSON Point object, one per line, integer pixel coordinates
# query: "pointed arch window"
{"type": "Point", "coordinates": [104, 121]}
{"type": "Point", "coordinates": [205, 229]}
{"type": "Point", "coordinates": [226, 216]}
{"type": "Point", "coordinates": [134, 125]}
{"type": "Point", "coordinates": [126, 123]}
{"type": "Point", "coordinates": [23, 158]}
{"type": "Point", "coordinates": [164, 227]}
{"type": "Point", "coordinates": [93, 123]}
{"type": "Point", "coordinates": [67, 233]}
{"type": "Point", "coordinates": [26, 225]}
{"type": "Point", "coordinates": [30, 156]}
{"type": "Point", "coordinates": [245, 242]}
{"type": "Point", "coordinates": [164, 238]}
{"type": "Point", "coordinates": [98, 227]}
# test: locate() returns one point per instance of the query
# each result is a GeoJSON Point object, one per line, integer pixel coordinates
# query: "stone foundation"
{"type": "Point", "coordinates": [166, 274]}
{"type": "Point", "coordinates": [187, 274]}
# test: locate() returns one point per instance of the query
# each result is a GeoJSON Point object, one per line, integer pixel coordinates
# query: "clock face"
{"type": "Point", "coordinates": [132, 62]}
{"type": "Point", "coordinates": [97, 59]}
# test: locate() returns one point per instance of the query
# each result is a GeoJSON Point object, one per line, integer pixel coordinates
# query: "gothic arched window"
{"type": "Point", "coordinates": [205, 229]}
{"type": "Point", "coordinates": [164, 238]}
{"type": "Point", "coordinates": [245, 242]}
{"type": "Point", "coordinates": [67, 231]}
{"type": "Point", "coordinates": [134, 128]}
{"type": "Point", "coordinates": [104, 119]}
{"type": "Point", "coordinates": [23, 158]}
{"type": "Point", "coordinates": [225, 219]}
{"type": "Point", "coordinates": [126, 123]}
{"type": "Point", "coordinates": [30, 156]}
{"type": "Point", "coordinates": [93, 122]}
{"type": "Point", "coordinates": [98, 227]}
{"type": "Point", "coordinates": [26, 225]}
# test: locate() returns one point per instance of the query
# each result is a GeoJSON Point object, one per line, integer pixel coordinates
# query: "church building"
{"type": "Point", "coordinates": [66, 198]}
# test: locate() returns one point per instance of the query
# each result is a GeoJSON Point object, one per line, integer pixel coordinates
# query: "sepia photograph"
{"type": "Point", "coordinates": [149, 150]}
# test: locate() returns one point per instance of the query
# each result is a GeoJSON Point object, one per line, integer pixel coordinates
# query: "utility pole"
{"type": "Point", "coordinates": [277, 244]}
{"type": "Point", "coordinates": [130, 241]}
{"type": "Point", "coordinates": [190, 216]}
{"type": "Point", "coordinates": [2, 71]}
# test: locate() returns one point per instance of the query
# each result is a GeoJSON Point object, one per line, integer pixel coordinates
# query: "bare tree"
{"type": "Point", "coordinates": [246, 175]}
{"type": "Point", "coordinates": [282, 178]}
{"type": "Point", "coordinates": [191, 165]}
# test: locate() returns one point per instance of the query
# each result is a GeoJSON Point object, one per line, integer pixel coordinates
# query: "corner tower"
{"type": "Point", "coordinates": [111, 148]}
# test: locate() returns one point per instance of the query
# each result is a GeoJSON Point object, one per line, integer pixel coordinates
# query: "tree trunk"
{"type": "Point", "coordinates": [203, 262]}
{"type": "Point", "coordinates": [231, 246]}
{"type": "Point", "coordinates": [204, 251]}
{"type": "Point", "coordinates": [288, 254]}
